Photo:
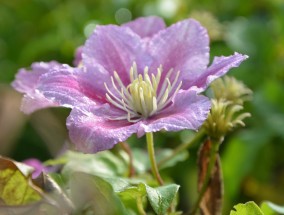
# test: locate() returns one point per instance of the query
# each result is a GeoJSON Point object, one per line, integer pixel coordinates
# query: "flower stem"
{"type": "Point", "coordinates": [127, 149]}
{"type": "Point", "coordinates": [140, 206]}
{"type": "Point", "coordinates": [151, 152]}
{"type": "Point", "coordinates": [182, 147]}
{"type": "Point", "coordinates": [211, 164]}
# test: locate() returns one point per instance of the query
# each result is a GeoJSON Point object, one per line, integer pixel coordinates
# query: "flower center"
{"type": "Point", "coordinates": [144, 96]}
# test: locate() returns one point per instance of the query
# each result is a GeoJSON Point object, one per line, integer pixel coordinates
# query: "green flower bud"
{"type": "Point", "coordinates": [223, 117]}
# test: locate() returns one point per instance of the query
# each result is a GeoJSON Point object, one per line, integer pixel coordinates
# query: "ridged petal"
{"type": "Point", "coordinates": [146, 26]}
{"type": "Point", "coordinates": [115, 48]}
{"type": "Point", "coordinates": [219, 67]}
{"type": "Point", "coordinates": [69, 86]}
{"type": "Point", "coordinates": [27, 82]}
{"type": "Point", "coordinates": [92, 131]}
{"type": "Point", "coordinates": [188, 111]}
{"type": "Point", "coordinates": [183, 46]}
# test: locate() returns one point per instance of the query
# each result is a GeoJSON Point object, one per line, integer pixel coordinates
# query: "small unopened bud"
{"type": "Point", "coordinates": [223, 117]}
{"type": "Point", "coordinates": [231, 90]}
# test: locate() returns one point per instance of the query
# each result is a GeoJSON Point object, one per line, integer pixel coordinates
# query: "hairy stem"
{"type": "Point", "coordinates": [182, 147]}
{"type": "Point", "coordinates": [211, 164]}
{"type": "Point", "coordinates": [151, 152]}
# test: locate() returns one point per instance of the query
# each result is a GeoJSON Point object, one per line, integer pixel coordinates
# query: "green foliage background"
{"type": "Point", "coordinates": [252, 158]}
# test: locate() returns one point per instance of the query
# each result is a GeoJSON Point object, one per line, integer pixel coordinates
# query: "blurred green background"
{"type": "Point", "coordinates": [252, 158]}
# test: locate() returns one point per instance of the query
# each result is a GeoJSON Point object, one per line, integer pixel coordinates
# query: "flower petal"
{"type": "Point", "coordinates": [27, 82]}
{"type": "Point", "coordinates": [219, 67]}
{"type": "Point", "coordinates": [115, 48]}
{"type": "Point", "coordinates": [36, 101]}
{"type": "Point", "coordinates": [91, 131]}
{"type": "Point", "coordinates": [188, 111]}
{"type": "Point", "coordinates": [69, 86]}
{"type": "Point", "coordinates": [183, 46]}
{"type": "Point", "coordinates": [146, 26]}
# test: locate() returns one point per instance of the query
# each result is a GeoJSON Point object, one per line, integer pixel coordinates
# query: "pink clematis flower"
{"type": "Point", "coordinates": [136, 78]}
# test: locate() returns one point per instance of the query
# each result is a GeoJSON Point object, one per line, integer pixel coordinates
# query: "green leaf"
{"type": "Point", "coordinates": [161, 198]}
{"type": "Point", "coordinates": [118, 184]}
{"type": "Point", "coordinates": [16, 187]}
{"type": "Point", "coordinates": [141, 159]}
{"type": "Point", "coordinates": [130, 194]}
{"type": "Point", "coordinates": [270, 208]}
{"type": "Point", "coordinates": [19, 194]}
{"type": "Point", "coordinates": [182, 156]}
{"type": "Point", "coordinates": [91, 193]}
{"type": "Point", "coordinates": [249, 208]}
{"type": "Point", "coordinates": [133, 192]}
{"type": "Point", "coordinates": [102, 164]}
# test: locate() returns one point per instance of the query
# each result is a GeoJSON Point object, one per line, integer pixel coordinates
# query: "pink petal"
{"type": "Point", "coordinates": [38, 167]}
{"type": "Point", "coordinates": [188, 111]}
{"type": "Point", "coordinates": [69, 87]}
{"type": "Point", "coordinates": [27, 82]}
{"type": "Point", "coordinates": [36, 101]}
{"type": "Point", "coordinates": [115, 48]}
{"type": "Point", "coordinates": [146, 26]}
{"type": "Point", "coordinates": [183, 46]}
{"type": "Point", "coordinates": [91, 131]}
{"type": "Point", "coordinates": [219, 67]}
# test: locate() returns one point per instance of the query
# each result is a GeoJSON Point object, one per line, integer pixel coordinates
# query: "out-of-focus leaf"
{"type": "Point", "coordinates": [16, 187]}
{"type": "Point", "coordinates": [249, 208]}
{"type": "Point", "coordinates": [182, 156]}
{"type": "Point", "coordinates": [237, 165]}
{"type": "Point", "coordinates": [118, 184]}
{"type": "Point", "coordinates": [21, 195]}
{"type": "Point", "coordinates": [102, 164]}
{"type": "Point", "coordinates": [93, 194]}
{"type": "Point", "coordinates": [270, 208]}
{"type": "Point", "coordinates": [141, 159]}
{"type": "Point", "coordinates": [211, 203]}
{"type": "Point", "coordinates": [161, 198]}
{"type": "Point", "coordinates": [53, 194]}
{"type": "Point", "coordinates": [37, 208]}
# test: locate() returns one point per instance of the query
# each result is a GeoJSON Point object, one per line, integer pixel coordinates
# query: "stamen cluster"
{"type": "Point", "coordinates": [223, 117]}
{"type": "Point", "coordinates": [144, 96]}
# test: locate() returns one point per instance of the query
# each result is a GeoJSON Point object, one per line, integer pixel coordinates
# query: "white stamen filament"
{"type": "Point", "coordinates": [141, 99]}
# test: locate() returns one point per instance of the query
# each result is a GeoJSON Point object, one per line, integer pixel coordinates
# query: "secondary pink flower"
{"type": "Point", "coordinates": [38, 167]}
{"type": "Point", "coordinates": [136, 78]}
